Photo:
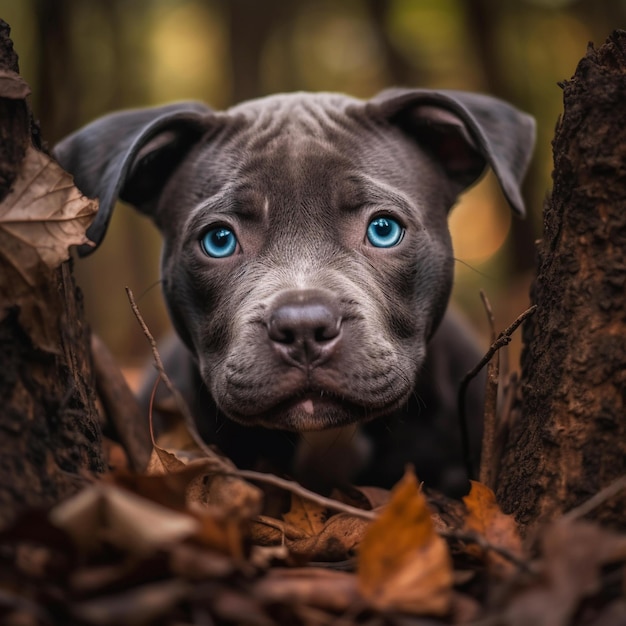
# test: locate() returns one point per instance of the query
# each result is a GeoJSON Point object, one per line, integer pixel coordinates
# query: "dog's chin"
{"type": "Point", "coordinates": [311, 412]}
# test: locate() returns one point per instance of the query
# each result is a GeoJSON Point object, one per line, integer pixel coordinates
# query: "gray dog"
{"type": "Point", "coordinates": [307, 264]}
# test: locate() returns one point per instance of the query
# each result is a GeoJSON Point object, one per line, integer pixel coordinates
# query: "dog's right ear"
{"type": "Point", "coordinates": [129, 155]}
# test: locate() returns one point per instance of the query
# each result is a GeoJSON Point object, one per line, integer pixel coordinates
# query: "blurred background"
{"type": "Point", "coordinates": [84, 58]}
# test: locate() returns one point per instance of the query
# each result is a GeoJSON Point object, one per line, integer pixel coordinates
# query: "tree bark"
{"type": "Point", "coordinates": [568, 438]}
{"type": "Point", "coordinates": [49, 427]}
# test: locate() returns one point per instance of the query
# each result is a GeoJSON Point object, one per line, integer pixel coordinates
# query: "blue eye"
{"type": "Point", "coordinates": [219, 242]}
{"type": "Point", "coordinates": [384, 232]}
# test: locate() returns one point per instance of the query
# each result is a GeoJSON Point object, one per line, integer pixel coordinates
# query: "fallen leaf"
{"type": "Point", "coordinates": [337, 540]}
{"type": "Point", "coordinates": [403, 564]}
{"type": "Point", "coordinates": [321, 588]}
{"type": "Point", "coordinates": [485, 517]}
{"type": "Point", "coordinates": [12, 85]}
{"type": "Point", "coordinates": [236, 607]}
{"type": "Point", "coordinates": [573, 555]}
{"type": "Point", "coordinates": [309, 516]}
{"type": "Point", "coordinates": [43, 215]}
{"type": "Point", "coordinates": [366, 498]}
{"type": "Point", "coordinates": [179, 446]}
{"type": "Point", "coordinates": [190, 563]}
{"type": "Point", "coordinates": [106, 513]}
{"type": "Point", "coordinates": [141, 605]}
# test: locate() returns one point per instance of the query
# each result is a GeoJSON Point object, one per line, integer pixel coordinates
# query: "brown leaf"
{"type": "Point", "coordinates": [335, 541]}
{"type": "Point", "coordinates": [485, 517]}
{"type": "Point", "coordinates": [12, 85]}
{"type": "Point", "coordinates": [366, 498]}
{"type": "Point", "coordinates": [179, 446]}
{"type": "Point", "coordinates": [43, 215]}
{"type": "Point", "coordinates": [235, 607]}
{"type": "Point", "coordinates": [141, 605]}
{"type": "Point", "coordinates": [190, 563]}
{"type": "Point", "coordinates": [309, 516]}
{"type": "Point", "coordinates": [269, 531]}
{"type": "Point", "coordinates": [321, 588]}
{"type": "Point", "coordinates": [573, 555]}
{"type": "Point", "coordinates": [218, 529]}
{"type": "Point", "coordinates": [403, 564]}
{"type": "Point", "coordinates": [107, 513]}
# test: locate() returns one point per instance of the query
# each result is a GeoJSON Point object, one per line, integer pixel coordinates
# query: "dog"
{"type": "Point", "coordinates": [307, 267]}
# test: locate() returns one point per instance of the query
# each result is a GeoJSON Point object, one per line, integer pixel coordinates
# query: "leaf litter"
{"type": "Point", "coordinates": [160, 547]}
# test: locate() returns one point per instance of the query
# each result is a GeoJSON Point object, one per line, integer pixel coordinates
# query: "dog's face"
{"type": "Point", "coordinates": [306, 256]}
{"type": "Point", "coordinates": [305, 312]}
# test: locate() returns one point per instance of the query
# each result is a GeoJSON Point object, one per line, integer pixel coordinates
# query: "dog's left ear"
{"type": "Point", "coordinates": [465, 132]}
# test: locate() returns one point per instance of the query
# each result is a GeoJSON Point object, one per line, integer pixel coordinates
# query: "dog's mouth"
{"type": "Point", "coordinates": [312, 410]}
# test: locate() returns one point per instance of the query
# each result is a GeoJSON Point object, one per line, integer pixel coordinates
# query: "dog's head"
{"type": "Point", "coordinates": [306, 258]}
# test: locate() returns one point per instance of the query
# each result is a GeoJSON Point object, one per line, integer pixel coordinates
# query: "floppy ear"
{"type": "Point", "coordinates": [466, 132]}
{"type": "Point", "coordinates": [129, 155]}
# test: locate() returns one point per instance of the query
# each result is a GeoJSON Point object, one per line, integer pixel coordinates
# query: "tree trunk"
{"type": "Point", "coordinates": [49, 431]}
{"type": "Point", "coordinates": [568, 438]}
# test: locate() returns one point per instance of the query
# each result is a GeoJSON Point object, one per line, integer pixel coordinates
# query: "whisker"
{"type": "Point", "coordinates": [474, 269]}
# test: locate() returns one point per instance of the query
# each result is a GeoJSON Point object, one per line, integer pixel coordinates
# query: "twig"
{"type": "Point", "coordinates": [485, 474]}
{"type": "Point", "coordinates": [503, 339]}
{"type": "Point", "coordinates": [595, 501]}
{"type": "Point", "coordinates": [502, 429]}
{"type": "Point", "coordinates": [180, 402]}
{"type": "Point", "coordinates": [479, 540]}
{"type": "Point", "coordinates": [299, 490]}
{"type": "Point", "coordinates": [490, 317]}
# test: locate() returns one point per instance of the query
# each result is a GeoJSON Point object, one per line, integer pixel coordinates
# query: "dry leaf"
{"type": "Point", "coordinates": [321, 588]}
{"type": "Point", "coordinates": [485, 517]}
{"type": "Point", "coordinates": [179, 446]}
{"type": "Point", "coordinates": [574, 554]}
{"type": "Point", "coordinates": [142, 605]}
{"type": "Point", "coordinates": [403, 564]}
{"type": "Point", "coordinates": [366, 498]}
{"type": "Point", "coordinates": [43, 215]}
{"type": "Point", "coordinates": [107, 513]}
{"type": "Point", "coordinates": [336, 541]}
{"type": "Point", "coordinates": [306, 515]}
{"type": "Point", "coordinates": [308, 531]}
{"type": "Point", "coordinates": [12, 85]}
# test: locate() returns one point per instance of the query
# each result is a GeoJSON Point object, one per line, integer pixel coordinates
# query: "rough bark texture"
{"type": "Point", "coordinates": [569, 434]}
{"type": "Point", "coordinates": [49, 432]}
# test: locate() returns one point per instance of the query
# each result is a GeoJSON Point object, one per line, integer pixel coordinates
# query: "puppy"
{"type": "Point", "coordinates": [307, 266]}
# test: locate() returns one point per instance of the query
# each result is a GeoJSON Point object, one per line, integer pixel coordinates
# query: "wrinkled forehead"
{"type": "Point", "coordinates": [322, 147]}
{"type": "Point", "coordinates": [295, 141]}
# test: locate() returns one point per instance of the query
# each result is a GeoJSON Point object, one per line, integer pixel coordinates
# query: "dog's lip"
{"type": "Point", "coordinates": [313, 410]}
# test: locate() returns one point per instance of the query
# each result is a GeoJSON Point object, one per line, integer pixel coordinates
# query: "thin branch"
{"type": "Point", "coordinates": [299, 490]}
{"type": "Point", "coordinates": [180, 402]}
{"type": "Point", "coordinates": [488, 450]}
{"type": "Point", "coordinates": [490, 317]}
{"type": "Point", "coordinates": [479, 540]}
{"type": "Point", "coordinates": [503, 339]}
{"type": "Point", "coordinates": [595, 501]}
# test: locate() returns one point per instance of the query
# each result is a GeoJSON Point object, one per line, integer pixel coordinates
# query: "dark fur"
{"type": "Point", "coordinates": [298, 177]}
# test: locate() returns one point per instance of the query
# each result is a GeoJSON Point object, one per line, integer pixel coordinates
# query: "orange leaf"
{"type": "Point", "coordinates": [403, 564]}
{"type": "Point", "coordinates": [306, 515]}
{"type": "Point", "coordinates": [486, 518]}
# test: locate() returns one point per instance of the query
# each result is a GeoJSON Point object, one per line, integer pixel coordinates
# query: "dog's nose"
{"type": "Point", "coordinates": [304, 326]}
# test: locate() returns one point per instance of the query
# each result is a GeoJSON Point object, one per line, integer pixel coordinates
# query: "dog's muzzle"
{"type": "Point", "coordinates": [304, 327]}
